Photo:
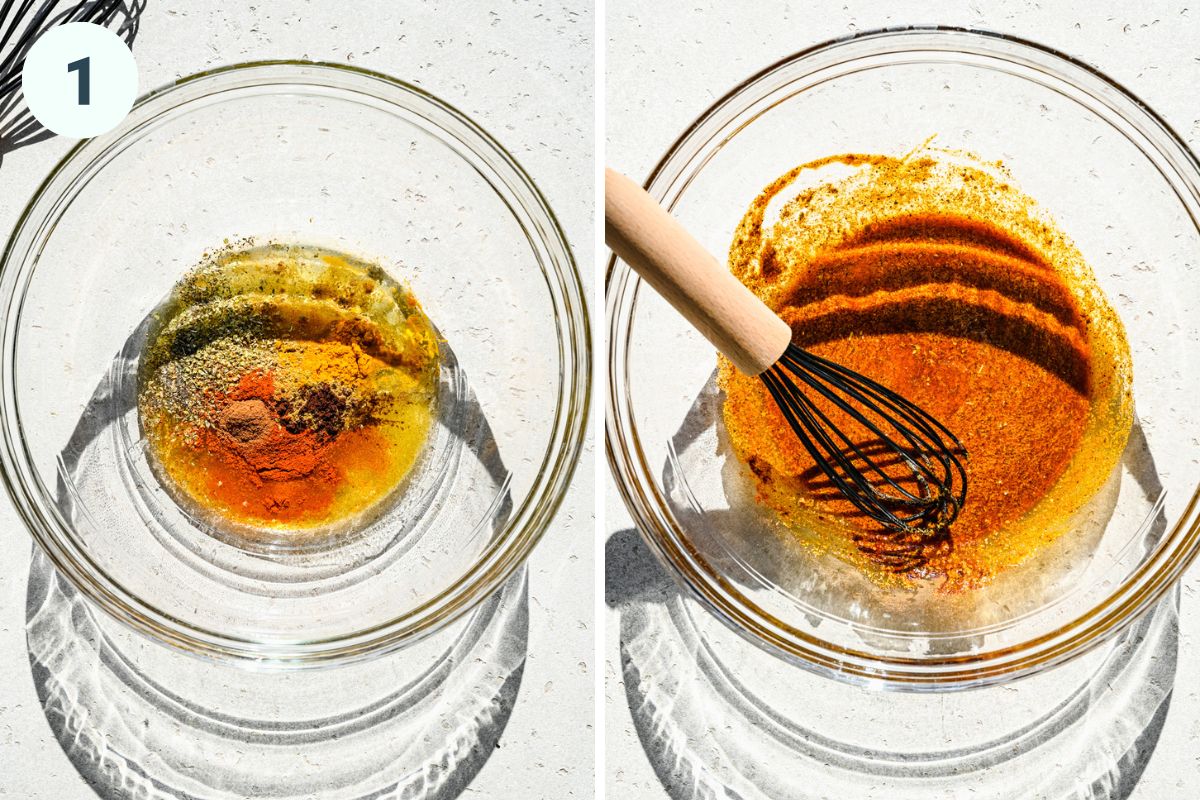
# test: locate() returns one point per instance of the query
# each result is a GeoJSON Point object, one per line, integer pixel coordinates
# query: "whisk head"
{"type": "Point", "coordinates": [893, 461]}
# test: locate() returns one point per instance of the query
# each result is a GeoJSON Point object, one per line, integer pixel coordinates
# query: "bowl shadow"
{"type": "Point", "coordinates": [139, 719]}
{"type": "Point", "coordinates": [707, 732]}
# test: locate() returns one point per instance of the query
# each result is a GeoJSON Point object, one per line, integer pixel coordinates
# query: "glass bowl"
{"type": "Point", "coordinates": [315, 154]}
{"type": "Point", "coordinates": [1116, 179]}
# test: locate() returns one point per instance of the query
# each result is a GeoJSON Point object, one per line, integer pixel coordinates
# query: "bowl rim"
{"type": "Point", "coordinates": [529, 518]}
{"type": "Point", "coordinates": [634, 477]}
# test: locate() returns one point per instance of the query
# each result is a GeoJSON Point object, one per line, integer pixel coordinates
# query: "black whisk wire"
{"type": "Point", "coordinates": [891, 460]}
{"type": "Point", "coordinates": [817, 441]}
{"type": "Point", "coordinates": [824, 390]}
{"type": "Point", "coordinates": [893, 431]}
{"type": "Point", "coordinates": [932, 446]}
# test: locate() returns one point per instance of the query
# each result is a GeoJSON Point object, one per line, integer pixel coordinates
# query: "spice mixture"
{"type": "Point", "coordinates": [935, 276]}
{"type": "Point", "coordinates": [286, 389]}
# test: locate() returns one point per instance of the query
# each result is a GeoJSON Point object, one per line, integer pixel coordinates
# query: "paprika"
{"type": "Point", "coordinates": [935, 276]}
{"type": "Point", "coordinates": [286, 391]}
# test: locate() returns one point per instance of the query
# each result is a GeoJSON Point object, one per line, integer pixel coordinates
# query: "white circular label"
{"type": "Point", "coordinates": [79, 80]}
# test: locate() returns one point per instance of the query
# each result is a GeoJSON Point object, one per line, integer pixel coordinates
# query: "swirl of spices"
{"type": "Point", "coordinates": [286, 388]}
{"type": "Point", "coordinates": [935, 276]}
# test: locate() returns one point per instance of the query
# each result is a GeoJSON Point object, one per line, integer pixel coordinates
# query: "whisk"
{"type": "Point", "coordinates": [897, 464]}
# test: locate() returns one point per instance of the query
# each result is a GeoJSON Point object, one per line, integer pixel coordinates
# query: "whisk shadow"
{"type": "Point", "coordinates": [658, 644]}
{"type": "Point", "coordinates": [78, 668]}
{"type": "Point", "coordinates": [1051, 349]}
{"type": "Point", "coordinates": [18, 127]}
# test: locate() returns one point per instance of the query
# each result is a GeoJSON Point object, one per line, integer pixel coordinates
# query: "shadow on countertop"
{"type": "Point", "coordinates": [711, 730]}
{"type": "Point", "coordinates": [18, 128]}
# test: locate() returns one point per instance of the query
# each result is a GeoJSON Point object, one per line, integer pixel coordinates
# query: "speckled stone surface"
{"type": "Point", "coordinates": [524, 71]}
{"type": "Point", "coordinates": [667, 62]}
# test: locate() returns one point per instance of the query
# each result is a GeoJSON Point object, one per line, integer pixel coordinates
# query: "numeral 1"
{"type": "Point", "coordinates": [84, 67]}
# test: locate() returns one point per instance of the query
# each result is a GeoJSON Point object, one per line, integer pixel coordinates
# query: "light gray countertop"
{"type": "Point", "coordinates": [667, 62]}
{"type": "Point", "coordinates": [507, 69]}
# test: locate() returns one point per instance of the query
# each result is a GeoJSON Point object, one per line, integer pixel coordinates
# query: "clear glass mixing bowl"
{"type": "Point", "coordinates": [316, 154]}
{"type": "Point", "coordinates": [1117, 180]}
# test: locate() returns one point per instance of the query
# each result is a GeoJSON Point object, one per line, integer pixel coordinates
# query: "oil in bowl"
{"type": "Point", "coordinates": [934, 274]}
{"type": "Point", "coordinates": [285, 392]}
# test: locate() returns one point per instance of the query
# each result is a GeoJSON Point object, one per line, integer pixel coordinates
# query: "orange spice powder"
{"type": "Point", "coordinates": [908, 274]}
{"type": "Point", "coordinates": [286, 392]}
{"type": "Point", "coordinates": [253, 464]}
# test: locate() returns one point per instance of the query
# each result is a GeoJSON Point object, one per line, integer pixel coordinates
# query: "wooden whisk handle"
{"type": "Point", "coordinates": [650, 240]}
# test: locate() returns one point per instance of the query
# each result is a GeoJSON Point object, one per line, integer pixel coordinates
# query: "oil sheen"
{"type": "Point", "coordinates": [285, 392]}
{"type": "Point", "coordinates": [934, 275]}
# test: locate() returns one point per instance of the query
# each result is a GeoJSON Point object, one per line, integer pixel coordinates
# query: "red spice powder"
{"type": "Point", "coordinates": [954, 315]}
{"type": "Point", "coordinates": [258, 469]}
